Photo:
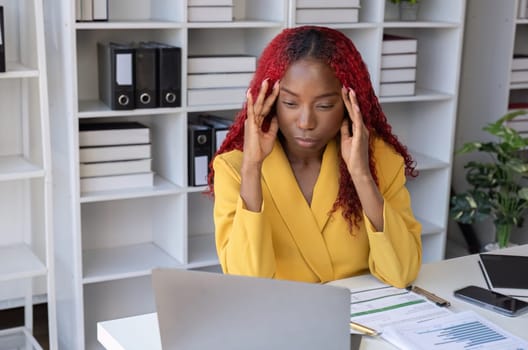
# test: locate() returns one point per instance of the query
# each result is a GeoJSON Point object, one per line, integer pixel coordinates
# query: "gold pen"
{"type": "Point", "coordinates": [433, 297]}
{"type": "Point", "coordinates": [363, 329]}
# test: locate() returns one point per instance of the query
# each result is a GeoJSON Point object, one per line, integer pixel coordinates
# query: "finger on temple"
{"type": "Point", "coordinates": [355, 113]}
{"type": "Point", "coordinates": [250, 105]}
{"type": "Point", "coordinates": [270, 100]}
{"type": "Point", "coordinates": [347, 100]}
{"type": "Point", "coordinates": [262, 93]}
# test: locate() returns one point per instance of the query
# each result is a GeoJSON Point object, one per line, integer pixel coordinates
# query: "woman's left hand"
{"type": "Point", "coordinates": [355, 144]}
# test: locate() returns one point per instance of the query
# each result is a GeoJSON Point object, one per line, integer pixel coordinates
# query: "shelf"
{"type": "Point", "coordinates": [429, 228]}
{"type": "Point", "coordinates": [128, 25]}
{"type": "Point", "coordinates": [359, 25]}
{"type": "Point", "coordinates": [97, 109]}
{"type": "Point", "coordinates": [421, 95]}
{"type": "Point", "coordinates": [18, 168]}
{"type": "Point", "coordinates": [18, 338]}
{"type": "Point", "coordinates": [202, 251]}
{"type": "Point", "coordinates": [15, 70]}
{"type": "Point", "coordinates": [197, 189]}
{"type": "Point", "coordinates": [26, 185]}
{"type": "Point", "coordinates": [19, 261]}
{"type": "Point", "coordinates": [161, 187]}
{"type": "Point", "coordinates": [419, 24]}
{"type": "Point", "coordinates": [106, 264]}
{"type": "Point", "coordinates": [424, 162]}
{"type": "Point", "coordinates": [236, 24]}
{"type": "Point", "coordinates": [208, 108]}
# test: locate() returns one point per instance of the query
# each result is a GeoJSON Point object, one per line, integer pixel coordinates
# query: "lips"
{"type": "Point", "coordinates": [305, 141]}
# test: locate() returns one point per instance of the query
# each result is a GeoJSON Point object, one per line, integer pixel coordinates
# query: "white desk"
{"type": "Point", "coordinates": [442, 278]}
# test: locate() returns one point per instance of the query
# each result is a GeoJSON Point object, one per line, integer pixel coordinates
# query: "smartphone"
{"type": "Point", "coordinates": [491, 300]}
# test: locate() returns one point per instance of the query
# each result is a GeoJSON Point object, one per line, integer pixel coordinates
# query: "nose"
{"type": "Point", "coordinates": [306, 120]}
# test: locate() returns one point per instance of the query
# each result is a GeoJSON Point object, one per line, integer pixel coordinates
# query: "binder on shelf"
{"type": "Point", "coordinates": [327, 3]}
{"type": "Point", "coordinates": [219, 127]}
{"type": "Point", "coordinates": [113, 153]}
{"type": "Point", "coordinates": [146, 82]}
{"type": "Point", "coordinates": [326, 15]}
{"type": "Point", "coordinates": [118, 167]}
{"type": "Point", "coordinates": [221, 64]}
{"type": "Point", "coordinates": [168, 73]}
{"type": "Point", "coordinates": [209, 13]}
{"type": "Point", "coordinates": [116, 75]}
{"type": "Point", "coordinates": [113, 133]}
{"type": "Point", "coordinates": [199, 153]}
{"type": "Point", "coordinates": [2, 42]}
{"type": "Point", "coordinates": [396, 44]}
{"type": "Point", "coordinates": [100, 10]}
{"type": "Point", "coordinates": [117, 182]}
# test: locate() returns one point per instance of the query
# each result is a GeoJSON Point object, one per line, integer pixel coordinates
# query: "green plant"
{"type": "Point", "coordinates": [498, 187]}
{"type": "Point", "coordinates": [398, 1]}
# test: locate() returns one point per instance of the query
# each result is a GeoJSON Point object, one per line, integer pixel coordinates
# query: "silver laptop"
{"type": "Point", "coordinates": [204, 311]}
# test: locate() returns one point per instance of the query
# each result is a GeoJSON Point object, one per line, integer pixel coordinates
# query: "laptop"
{"type": "Point", "coordinates": [200, 310]}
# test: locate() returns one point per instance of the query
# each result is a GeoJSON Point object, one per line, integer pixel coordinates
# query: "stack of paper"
{"type": "Point", "coordinates": [382, 306]}
{"type": "Point", "coordinates": [219, 79]}
{"type": "Point", "coordinates": [519, 72]}
{"type": "Point", "coordinates": [114, 155]}
{"type": "Point", "coordinates": [324, 12]}
{"type": "Point", "coordinates": [398, 65]}
{"type": "Point", "coordinates": [209, 10]}
{"type": "Point", "coordinates": [464, 330]}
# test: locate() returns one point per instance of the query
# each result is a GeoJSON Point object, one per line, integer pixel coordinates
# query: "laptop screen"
{"type": "Point", "coordinates": [205, 310]}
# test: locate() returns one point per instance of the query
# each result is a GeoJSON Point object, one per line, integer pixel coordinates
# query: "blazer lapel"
{"type": "Point", "coordinates": [302, 224]}
{"type": "Point", "coordinates": [327, 186]}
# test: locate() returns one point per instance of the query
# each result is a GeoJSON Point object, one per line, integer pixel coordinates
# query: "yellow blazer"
{"type": "Point", "coordinates": [288, 239]}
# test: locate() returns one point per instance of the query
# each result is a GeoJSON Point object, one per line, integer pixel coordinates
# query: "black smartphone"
{"type": "Point", "coordinates": [491, 300]}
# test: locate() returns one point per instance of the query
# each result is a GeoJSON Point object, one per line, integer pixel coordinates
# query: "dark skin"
{"type": "Point", "coordinates": [310, 109]}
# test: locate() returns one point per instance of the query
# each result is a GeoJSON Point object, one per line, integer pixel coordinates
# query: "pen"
{"type": "Point", "coordinates": [363, 329]}
{"type": "Point", "coordinates": [433, 297]}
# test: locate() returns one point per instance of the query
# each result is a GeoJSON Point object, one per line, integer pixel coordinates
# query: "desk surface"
{"type": "Point", "coordinates": [441, 278]}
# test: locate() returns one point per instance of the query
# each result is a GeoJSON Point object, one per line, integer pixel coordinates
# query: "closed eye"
{"type": "Point", "coordinates": [289, 104]}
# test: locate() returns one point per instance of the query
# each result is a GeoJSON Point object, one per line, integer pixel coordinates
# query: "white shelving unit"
{"type": "Point", "coordinates": [26, 246]}
{"type": "Point", "coordinates": [493, 34]}
{"type": "Point", "coordinates": [107, 243]}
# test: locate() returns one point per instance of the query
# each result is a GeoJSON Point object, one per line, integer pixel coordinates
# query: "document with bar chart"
{"type": "Point", "coordinates": [465, 330]}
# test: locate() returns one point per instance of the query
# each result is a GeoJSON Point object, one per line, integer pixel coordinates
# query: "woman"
{"type": "Point", "coordinates": [309, 184]}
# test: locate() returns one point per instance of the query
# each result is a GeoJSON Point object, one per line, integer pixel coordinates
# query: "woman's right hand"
{"type": "Point", "coordinates": [258, 144]}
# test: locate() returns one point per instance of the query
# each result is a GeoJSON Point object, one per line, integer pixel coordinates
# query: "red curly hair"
{"type": "Point", "coordinates": [337, 50]}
